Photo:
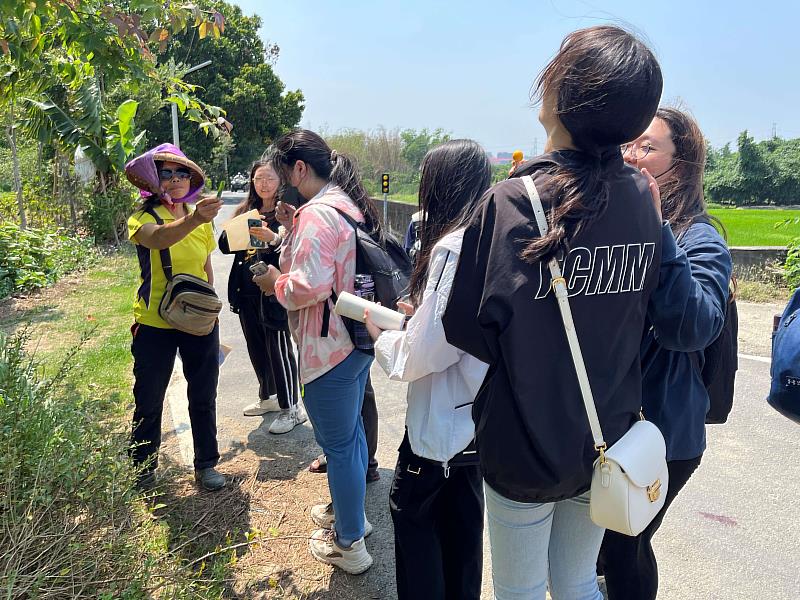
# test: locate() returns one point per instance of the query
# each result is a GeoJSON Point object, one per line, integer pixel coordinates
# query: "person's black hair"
{"type": "Point", "coordinates": [454, 177]}
{"type": "Point", "coordinates": [328, 164]}
{"type": "Point", "coordinates": [604, 86]}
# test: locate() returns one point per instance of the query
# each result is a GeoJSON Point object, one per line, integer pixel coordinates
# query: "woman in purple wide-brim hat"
{"type": "Point", "coordinates": [169, 182]}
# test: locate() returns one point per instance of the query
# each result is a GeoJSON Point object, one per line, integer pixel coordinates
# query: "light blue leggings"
{"type": "Point", "coordinates": [532, 543]}
{"type": "Point", "coordinates": [333, 403]}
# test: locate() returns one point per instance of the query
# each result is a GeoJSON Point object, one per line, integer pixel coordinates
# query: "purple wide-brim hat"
{"type": "Point", "coordinates": [143, 173]}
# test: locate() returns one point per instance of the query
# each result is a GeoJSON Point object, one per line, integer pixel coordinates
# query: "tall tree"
{"type": "Point", "coordinates": [240, 79]}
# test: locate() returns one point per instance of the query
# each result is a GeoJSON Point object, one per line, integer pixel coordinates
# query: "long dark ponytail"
{"type": "Point", "coordinates": [604, 85]}
{"type": "Point", "coordinates": [454, 177]}
{"type": "Point", "coordinates": [328, 164]}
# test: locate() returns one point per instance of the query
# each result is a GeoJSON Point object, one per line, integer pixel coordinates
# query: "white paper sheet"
{"type": "Point", "coordinates": [238, 231]}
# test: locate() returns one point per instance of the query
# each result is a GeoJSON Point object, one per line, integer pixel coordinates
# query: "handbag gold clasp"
{"type": "Point", "coordinates": [601, 448]}
{"type": "Point", "coordinates": [654, 491]}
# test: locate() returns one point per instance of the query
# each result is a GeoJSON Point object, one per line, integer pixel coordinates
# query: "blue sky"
{"type": "Point", "coordinates": [467, 66]}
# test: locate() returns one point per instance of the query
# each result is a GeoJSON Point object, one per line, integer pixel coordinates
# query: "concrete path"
{"type": "Point", "coordinates": [733, 533]}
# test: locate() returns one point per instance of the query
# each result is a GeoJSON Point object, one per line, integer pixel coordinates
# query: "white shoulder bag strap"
{"type": "Point", "coordinates": [562, 295]}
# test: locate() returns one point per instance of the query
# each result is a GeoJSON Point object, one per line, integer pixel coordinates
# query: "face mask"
{"type": "Point", "coordinates": [291, 195]}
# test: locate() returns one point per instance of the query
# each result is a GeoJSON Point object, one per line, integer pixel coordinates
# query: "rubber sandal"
{"type": "Point", "coordinates": [319, 465]}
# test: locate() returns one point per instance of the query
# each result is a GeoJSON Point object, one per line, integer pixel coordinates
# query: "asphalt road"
{"type": "Point", "coordinates": [733, 533]}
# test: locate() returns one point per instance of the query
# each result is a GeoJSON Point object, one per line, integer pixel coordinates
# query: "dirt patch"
{"type": "Point", "coordinates": [270, 494]}
{"type": "Point", "coordinates": [755, 327]}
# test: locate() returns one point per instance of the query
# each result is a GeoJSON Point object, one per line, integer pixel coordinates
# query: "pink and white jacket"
{"type": "Point", "coordinates": [318, 256]}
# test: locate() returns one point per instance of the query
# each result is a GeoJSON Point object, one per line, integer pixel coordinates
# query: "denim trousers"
{"type": "Point", "coordinates": [333, 403]}
{"type": "Point", "coordinates": [536, 544]}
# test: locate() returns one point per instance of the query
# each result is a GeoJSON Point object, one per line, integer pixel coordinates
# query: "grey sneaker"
{"type": "Point", "coordinates": [287, 420]}
{"type": "Point", "coordinates": [262, 407]}
{"type": "Point", "coordinates": [322, 515]}
{"type": "Point", "coordinates": [354, 560]}
{"type": "Point", "coordinates": [210, 479]}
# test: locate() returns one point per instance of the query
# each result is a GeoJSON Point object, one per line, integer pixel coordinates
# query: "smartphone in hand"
{"type": "Point", "coordinates": [259, 268]}
{"type": "Point", "coordinates": [254, 241]}
{"type": "Point", "coordinates": [220, 188]}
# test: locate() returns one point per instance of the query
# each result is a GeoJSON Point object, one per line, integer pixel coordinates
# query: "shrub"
{"type": "Point", "coordinates": [66, 489]}
{"type": "Point", "coordinates": [34, 258]}
{"type": "Point", "coordinates": [106, 214]}
{"type": "Point", "coordinates": [791, 268]}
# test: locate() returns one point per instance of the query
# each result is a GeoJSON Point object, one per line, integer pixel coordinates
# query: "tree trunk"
{"type": "Point", "coordinates": [113, 219]}
{"type": "Point", "coordinates": [11, 132]}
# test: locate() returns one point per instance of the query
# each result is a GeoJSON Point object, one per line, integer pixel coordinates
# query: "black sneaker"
{"type": "Point", "coordinates": [210, 479]}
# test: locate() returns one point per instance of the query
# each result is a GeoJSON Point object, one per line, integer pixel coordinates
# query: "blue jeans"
{"type": "Point", "coordinates": [333, 403]}
{"type": "Point", "coordinates": [532, 543]}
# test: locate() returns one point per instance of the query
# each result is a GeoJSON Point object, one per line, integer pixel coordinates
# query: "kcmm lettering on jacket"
{"type": "Point", "coordinates": [608, 270]}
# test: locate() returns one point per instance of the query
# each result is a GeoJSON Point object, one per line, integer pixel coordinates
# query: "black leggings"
{"type": "Point", "coordinates": [271, 354]}
{"type": "Point", "coordinates": [629, 563]}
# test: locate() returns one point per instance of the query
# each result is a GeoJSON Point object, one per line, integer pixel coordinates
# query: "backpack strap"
{"type": "Point", "coordinates": [326, 309]}
{"type": "Point", "coordinates": [326, 313]}
{"type": "Point", "coordinates": [166, 257]}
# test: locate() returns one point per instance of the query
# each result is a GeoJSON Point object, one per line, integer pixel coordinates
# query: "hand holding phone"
{"type": "Point", "coordinates": [259, 268]}
{"type": "Point", "coordinates": [255, 241]}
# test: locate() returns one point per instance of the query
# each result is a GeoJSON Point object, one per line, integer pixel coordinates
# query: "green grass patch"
{"type": "Point", "coordinates": [73, 524]}
{"type": "Point", "coordinates": [756, 227]}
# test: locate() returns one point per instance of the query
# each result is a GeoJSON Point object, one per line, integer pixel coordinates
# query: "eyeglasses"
{"type": "Point", "coordinates": [637, 152]}
{"type": "Point", "coordinates": [167, 174]}
{"type": "Point", "coordinates": [263, 180]}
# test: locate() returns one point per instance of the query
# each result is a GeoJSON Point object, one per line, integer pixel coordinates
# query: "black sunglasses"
{"type": "Point", "coordinates": [167, 174]}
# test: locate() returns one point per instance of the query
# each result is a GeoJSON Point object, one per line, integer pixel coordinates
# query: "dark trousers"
{"type": "Point", "coordinates": [271, 355]}
{"type": "Point", "coordinates": [438, 529]}
{"type": "Point", "coordinates": [154, 353]}
{"type": "Point", "coordinates": [629, 563]}
{"type": "Point", "coordinates": [369, 414]}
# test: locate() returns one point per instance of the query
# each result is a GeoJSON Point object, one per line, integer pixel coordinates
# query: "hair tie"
{"type": "Point", "coordinates": [334, 154]}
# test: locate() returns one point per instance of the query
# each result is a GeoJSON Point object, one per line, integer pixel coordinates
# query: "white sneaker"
{"type": "Point", "coordinates": [263, 407]}
{"type": "Point", "coordinates": [322, 515]}
{"type": "Point", "coordinates": [354, 560]}
{"type": "Point", "coordinates": [287, 420]}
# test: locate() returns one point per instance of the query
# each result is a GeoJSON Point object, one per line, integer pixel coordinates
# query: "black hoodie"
{"type": "Point", "coordinates": [532, 432]}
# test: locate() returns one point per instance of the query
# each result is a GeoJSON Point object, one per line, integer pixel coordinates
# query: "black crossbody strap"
{"type": "Point", "coordinates": [166, 257]}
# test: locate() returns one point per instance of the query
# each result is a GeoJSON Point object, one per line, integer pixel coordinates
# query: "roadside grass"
{"type": "Point", "coordinates": [173, 542]}
{"type": "Point", "coordinates": [761, 292]}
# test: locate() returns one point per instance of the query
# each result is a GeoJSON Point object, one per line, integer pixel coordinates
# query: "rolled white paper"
{"type": "Point", "coordinates": [351, 306]}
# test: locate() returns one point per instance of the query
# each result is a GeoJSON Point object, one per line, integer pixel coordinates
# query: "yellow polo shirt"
{"type": "Point", "coordinates": [188, 256]}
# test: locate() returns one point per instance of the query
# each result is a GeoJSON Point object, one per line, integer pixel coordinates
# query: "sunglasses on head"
{"type": "Point", "coordinates": [167, 174]}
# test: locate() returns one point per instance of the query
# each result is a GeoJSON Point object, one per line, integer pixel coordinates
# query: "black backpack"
{"type": "Point", "coordinates": [721, 358]}
{"type": "Point", "coordinates": [385, 259]}
{"type": "Point", "coordinates": [720, 366]}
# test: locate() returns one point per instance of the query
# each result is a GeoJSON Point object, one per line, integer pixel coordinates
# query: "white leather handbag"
{"type": "Point", "coordinates": [630, 479]}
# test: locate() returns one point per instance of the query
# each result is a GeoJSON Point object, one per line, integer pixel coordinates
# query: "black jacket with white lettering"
{"type": "Point", "coordinates": [532, 432]}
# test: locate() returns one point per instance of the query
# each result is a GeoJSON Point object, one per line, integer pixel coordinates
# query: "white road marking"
{"type": "Point", "coordinates": [761, 359]}
{"type": "Point", "coordinates": [179, 409]}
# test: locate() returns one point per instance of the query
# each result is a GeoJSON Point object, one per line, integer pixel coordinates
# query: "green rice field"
{"type": "Point", "coordinates": [756, 227]}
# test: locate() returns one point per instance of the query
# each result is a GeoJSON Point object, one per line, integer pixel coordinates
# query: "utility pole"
{"type": "Point", "coordinates": [535, 146]}
{"type": "Point", "coordinates": [774, 130]}
{"type": "Point", "coordinates": [176, 140]}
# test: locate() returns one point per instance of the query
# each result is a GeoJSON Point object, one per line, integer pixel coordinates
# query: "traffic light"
{"type": "Point", "coordinates": [385, 183]}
